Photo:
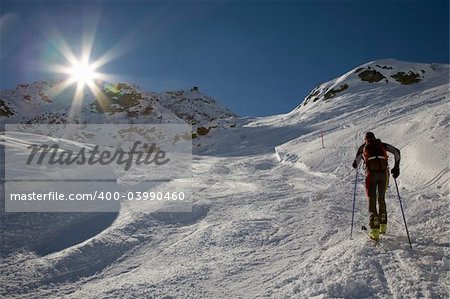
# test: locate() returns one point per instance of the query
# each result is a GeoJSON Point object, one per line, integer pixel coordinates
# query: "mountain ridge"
{"type": "Point", "coordinates": [44, 102]}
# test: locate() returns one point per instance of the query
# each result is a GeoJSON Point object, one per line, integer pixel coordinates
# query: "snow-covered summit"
{"type": "Point", "coordinates": [388, 74]}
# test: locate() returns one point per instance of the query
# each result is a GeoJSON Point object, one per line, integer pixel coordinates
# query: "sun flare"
{"type": "Point", "coordinates": [82, 72]}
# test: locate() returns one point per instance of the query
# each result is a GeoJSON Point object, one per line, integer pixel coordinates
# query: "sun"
{"type": "Point", "coordinates": [82, 72]}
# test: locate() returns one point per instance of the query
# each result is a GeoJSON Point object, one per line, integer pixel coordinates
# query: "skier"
{"type": "Point", "coordinates": [373, 151]}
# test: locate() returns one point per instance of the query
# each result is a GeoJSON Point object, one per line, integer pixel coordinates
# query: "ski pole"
{"type": "Point", "coordinates": [403, 214]}
{"type": "Point", "coordinates": [354, 200]}
{"type": "Point", "coordinates": [354, 191]}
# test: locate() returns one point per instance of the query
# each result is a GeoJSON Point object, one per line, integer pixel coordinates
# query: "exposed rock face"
{"type": "Point", "coordinates": [120, 97]}
{"type": "Point", "coordinates": [371, 76]}
{"type": "Point", "coordinates": [313, 95]}
{"type": "Point", "coordinates": [5, 110]}
{"type": "Point", "coordinates": [325, 93]}
{"type": "Point", "coordinates": [202, 131]}
{"type": "Point", "coordinates": [49, 118]}
{"type": "Point", "coordinates": [332, 92]}
{"type": "Point", "coordinates": [407, 78]}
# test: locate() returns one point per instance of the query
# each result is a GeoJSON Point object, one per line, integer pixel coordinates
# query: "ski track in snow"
{"type": "Point", "coordinates": [272, 219]}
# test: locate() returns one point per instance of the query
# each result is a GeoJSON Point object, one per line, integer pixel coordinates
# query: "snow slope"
{"type": "Point", "coordinates": [272, 210]}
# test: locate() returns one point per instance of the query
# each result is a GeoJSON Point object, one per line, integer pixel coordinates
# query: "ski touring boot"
{"type": "Point", "coordinates": [374, 234]}
{"type": "Point", "coordinates": [383, 228]}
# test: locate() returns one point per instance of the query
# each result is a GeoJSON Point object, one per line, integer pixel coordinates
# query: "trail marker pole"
{"type": "Point", "coordinates": [321, 136]}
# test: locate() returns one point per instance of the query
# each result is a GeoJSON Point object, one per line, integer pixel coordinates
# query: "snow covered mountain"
{"type": "Point", "coordinates": [394, 74]}
{"type": "Point", "coordinates": [46, 102]}
{"type": "Point", "coordinates": [272, 206]}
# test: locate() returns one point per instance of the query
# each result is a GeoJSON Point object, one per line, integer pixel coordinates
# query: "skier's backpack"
{"type": "Point", "coordinates": [375, 155]}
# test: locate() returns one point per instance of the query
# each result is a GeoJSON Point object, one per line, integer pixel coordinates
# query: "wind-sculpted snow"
{"type": "Point", "coordinates": [272, 209]}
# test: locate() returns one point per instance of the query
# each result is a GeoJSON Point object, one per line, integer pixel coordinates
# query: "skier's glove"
{"type": "Point", "coordinates": [395, 171]}
{"type": "Point", "coordinates": [354, 165]}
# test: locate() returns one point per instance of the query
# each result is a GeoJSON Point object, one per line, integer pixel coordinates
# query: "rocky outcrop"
{"type": "Point", "coordinates": [407, 78]}
{"type": "Point", "coordinates": [371, 76]}
{"type": "Point", "coordinates": [334, 91]}
{"type": "Point", "coordinates": [120, 97]}
{"type": "Point", "coordinates": [55, 118]}
{"type": "Point", "coordinates": [321, 92]}
{"type": "Point", "coordinates": [313, 95]}
{"type": "Point", "coordinates": [5, 109]}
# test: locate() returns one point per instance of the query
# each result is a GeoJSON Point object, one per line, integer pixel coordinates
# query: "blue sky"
{"type": "Point", "coordinates": [256, 58]}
